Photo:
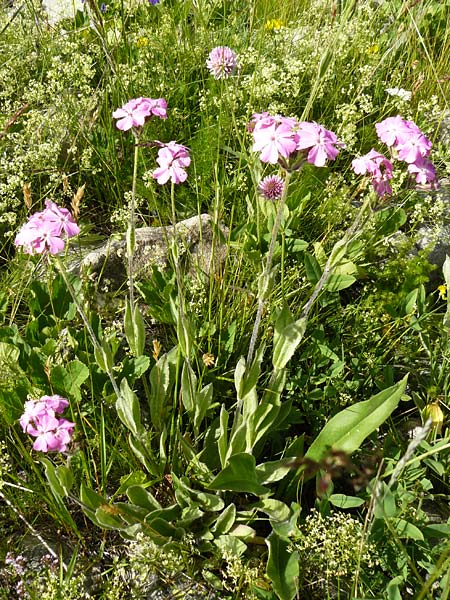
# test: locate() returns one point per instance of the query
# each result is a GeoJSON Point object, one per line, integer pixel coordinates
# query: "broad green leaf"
{"type": "Point", "coordinates": [343, 501]}
{"type": "Point", "coordinates": [229, 544]}
{"type": "Point", "coordinates": [138, 495]}
{"type": "Point", "coordinates": [108, 517]}
{"type": "Point", "coordinates": [286, 342]}
{"type": "Point", "coordinates": [68, 380]}
{"type": "Point", "coordinates": [337, 282]}
{"type": "Point", "coordinates": [203, 403]}
{"type": "Point", "coordinates": [405, 529]}
{"type": "Point", "coordinates": [347, 430]}
{"type": "Point", "coordinates": [162, 379]}
{"type": "Point", "coordinates": [127, 406]}
{"type": "Point", "coordinates": [243, 532]}
{"type": "Point", "coordinates": [275, 509]}
{"type": "Point", "coordinates": [222, 442]}
{"type": "Point", "coordinates": [134, 328]}
{"type": "Point", "coordinates": [312, 268]}
{"type": "Point", "coordinates": [225, 520]}
{"type": "Point", "coordinates": [239, 476]}
{"type": "Point", "coordinates": [276, 470]}
{"type": "Point", "coordinates": [285, 529]}
{"type": "Point", "coordinates": [91, 499]}
{"type": "Point", "coordinates": [282, 567]}
{"type": "Point", "coordinates": [385, 506]}
{"type": "Point", "coordinates": [188, 387]}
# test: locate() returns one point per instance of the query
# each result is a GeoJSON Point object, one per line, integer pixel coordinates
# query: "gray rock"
{"type": "Point", "coordinates": [200, 246]}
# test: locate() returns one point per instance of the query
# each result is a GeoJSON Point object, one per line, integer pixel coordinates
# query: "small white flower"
{"type": "Point", "coordinates": [400, 93]}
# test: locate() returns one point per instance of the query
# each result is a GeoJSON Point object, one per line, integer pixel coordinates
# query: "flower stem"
{"type": "Point", "coordinates": [85, 320]}
{"type": "Point", "coordinates": [265, 279]}
{"type": "Point", "coordinates": [131, 231]}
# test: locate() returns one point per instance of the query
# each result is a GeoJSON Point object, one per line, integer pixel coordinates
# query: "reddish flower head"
{"type": "Point", "coordinates": [271, 187]}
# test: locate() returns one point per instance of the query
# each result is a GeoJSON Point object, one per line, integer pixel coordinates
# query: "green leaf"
{"type": "Point", "coordinates": [343, 501]}
{"type": "Point", "coordinates": [239, 476]}
{"type": "Point", "coordinates": [282, 567]}
{"type": "Point", "coordinates": [68, 380]}
{"type": "Point", "coordinates": [337, 282]}
{"type": "Point", "coordinates": [312, 268]}
{"type": "Point", "coordinates": [108, 517]}
{"type": "Point", "coordinates": [405, 529]}
{"type": "Point", "coordinates": [222, 442]}
{"type": "Point", "coordinates": [104, 356]}
{"type": "Point", "coordinates": [229, 544]}
{"type": "Point", "coordinates": [59, 478]}
{"type": "Point", "coordinates": [346, 431]}
{"type": "Point", "coordinates": [225, 520]}
{"type": "Point", "coordinates": [202, 405]}
{"type": "Point", "coordinates": [276, 470]}
{"type": "Point", "coordinates": [127, 406]}
{"type": "Point", "coordinates": [275, 509]}
{"type": "Point", "coordinates": [162, 379]}
{"type": "Point", "coordinates": [188, 387]}
{"type": "Point", "coordinates": [286, 337]}
{"type": "Point", "coordinates": [138, 495]}
{"type": "Point", "coordinates": [134, 328]}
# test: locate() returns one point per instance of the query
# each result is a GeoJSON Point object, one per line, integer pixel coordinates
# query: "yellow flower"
{"type": "Point", "coordinates": [272, 24]}
{"type": "Point", "coordinates": [434, 412]}
{"type": "Point", "coordinates": [142, 41]}
{"type": "Point", "coordinates": [374, 49]}
{"type": "Point", "coordinates": [442, 289]}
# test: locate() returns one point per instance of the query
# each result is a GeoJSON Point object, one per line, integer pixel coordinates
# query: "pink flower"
{"type": "Point", "coordinates": [136, 111]}
{"type": "Point", "coordinates": [405, 137]}
{"type": "Point", "coordinates": [44, 230]}
{"type": "Point", "coordinates": [274, 138]}
{"type": "Point", "coordinates": [62, 219]}
{"type": "Point", "coordinates": [158, 107]}
{"type": "Point", "coordinates": [39, 420]}
{"type": "Point", "coordinates": [56, 403]}
{"type": "Point", "coordinates": [52, 434]}
{"type": "Point", "coordinates": [379, 167]}
{"type": "Point", "coordinates": [319, 141]}
{"type": "Point", "coordinates": [221, 62]}
{"type": "Point", "coordinates": [172, 160]}
{"type": "Point", "coordinates": [34, 409]}
{"type": "Point", "coordinates": [424, 170]}
{"type": "Point", "coordinates": [271, 187]}
{"type": "Point", "coordinates": [392, 129]}
{"type": "Point", "coordinates": [413, 147]}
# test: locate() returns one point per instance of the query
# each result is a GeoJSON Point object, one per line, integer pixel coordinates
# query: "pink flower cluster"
{"type": "Point", "coordinates": [47, 230]}
{"type": "Point", "coordinates": [172, 160]}
{"type": "Point", "coordinates": [407, 143]}
{"type": "Point", "coordinates": [378, 167]}
{"type": "Point", "coordinates": [136, 111]}
{"type": "Point", "coordinates": [39, 419]}
{"type": "Point", "coordinates": [290, 143]}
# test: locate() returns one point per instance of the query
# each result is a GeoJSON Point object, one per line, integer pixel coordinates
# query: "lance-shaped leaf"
{"type": "Point", "coordinates": [347, 430]}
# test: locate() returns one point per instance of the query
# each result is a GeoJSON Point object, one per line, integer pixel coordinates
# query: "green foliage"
{"type": "Point", "coordinates": [199, 458]}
